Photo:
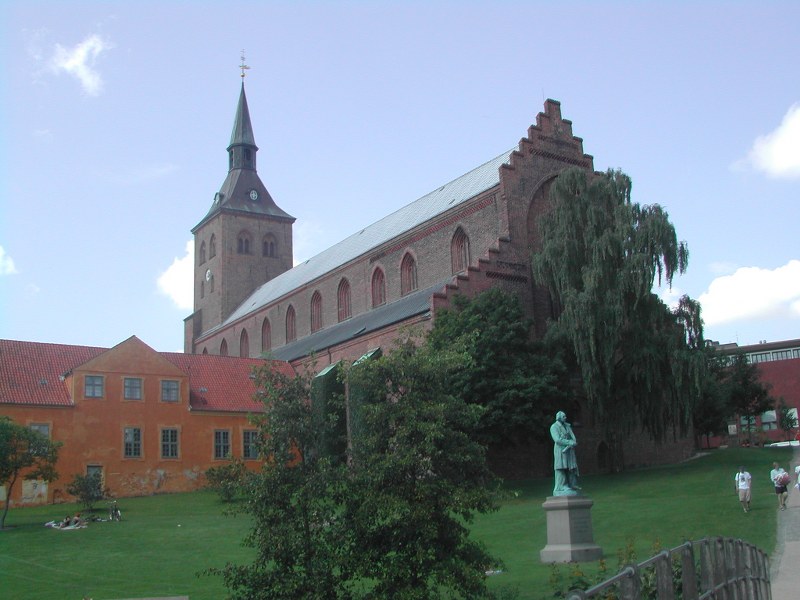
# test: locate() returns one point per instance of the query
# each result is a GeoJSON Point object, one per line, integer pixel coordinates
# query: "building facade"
{"type": "Point", "coordinates": [147, 421]}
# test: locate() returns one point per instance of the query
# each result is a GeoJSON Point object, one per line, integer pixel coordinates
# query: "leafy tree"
{"type": "Point", "coordinates": [228, 480]}
{"type": "Point", "coordinates": [747, 395]}
{"type": "Point", "coordinates": [418, 480]}
{"type": "Point", "coordinates": [600, 255]}
{"type": "Point", "coordinates": [787, 418]}
{"type": "Point", "coordinates": [712, 411]}
{"type": "Point", "coordinates": [295, 502]}
{"type": "Point", "coordinates": [517, 381]}
{"type": "Point", "coordinates": [88, 489]}
{"type": "Point", "coordinates": [23, 450]}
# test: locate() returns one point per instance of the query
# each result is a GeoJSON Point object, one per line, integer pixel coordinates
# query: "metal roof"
{"type": "Point", "coordinates": [403, 220]}
{"type": "Point", "coordinates": [416, 303]}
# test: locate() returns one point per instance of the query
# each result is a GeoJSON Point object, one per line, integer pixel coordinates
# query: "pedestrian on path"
{"type": "Point", "coordinates": [743, 480]}
{"type": "Point", "coordinates": [780, 479]}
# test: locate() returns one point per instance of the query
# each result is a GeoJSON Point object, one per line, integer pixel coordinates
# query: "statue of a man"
{"type": "Point", "coordinates": [564, 463]}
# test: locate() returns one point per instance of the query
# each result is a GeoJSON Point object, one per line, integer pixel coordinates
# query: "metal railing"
{"type": "Point", "coordinates": [724, 569]}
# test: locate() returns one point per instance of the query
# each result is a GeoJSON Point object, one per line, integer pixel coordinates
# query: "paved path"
{"type": "Point", "coordinates": [785, 562]}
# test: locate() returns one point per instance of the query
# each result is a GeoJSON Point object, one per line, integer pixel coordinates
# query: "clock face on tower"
{"type": "Point", "coordinates": [253, 195]}
{"type": "Point", "coordinates": [208, 275]}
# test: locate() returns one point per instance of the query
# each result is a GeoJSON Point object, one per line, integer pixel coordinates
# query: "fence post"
{"type": "Point", "coordinates": [664, 587]}
{"type": "Point", "coordinates": [631, 586]}
{"type": "Point", "coordinates": [688, 572]}
{"type": "Point", "coordinates": [706, 565]}
{"type": "Point", "coordinates": [719, 569]}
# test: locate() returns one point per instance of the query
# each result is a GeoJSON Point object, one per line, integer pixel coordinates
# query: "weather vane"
{"type": "Point", "coordinates": [243, 66]}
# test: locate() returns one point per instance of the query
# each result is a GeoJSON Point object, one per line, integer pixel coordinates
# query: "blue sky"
{"type": "Point", "coordinates": [116, 116]}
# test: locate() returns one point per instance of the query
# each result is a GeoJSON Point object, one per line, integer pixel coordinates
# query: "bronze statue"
{"type": "Point", "coordinates": [565, 464]}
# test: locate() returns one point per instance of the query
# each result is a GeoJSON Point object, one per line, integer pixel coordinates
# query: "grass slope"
{"type": "Point", "coordinates": [149, 555]}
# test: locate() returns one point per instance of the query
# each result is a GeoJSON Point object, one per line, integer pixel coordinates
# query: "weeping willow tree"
{"type": "Point", "coordinates": [640, 361]}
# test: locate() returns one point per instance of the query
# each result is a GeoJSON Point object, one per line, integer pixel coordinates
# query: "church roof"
{"type": "Point", "coordinates": [242, 127]}
{"type": "Point", "coordinates": [416, 303]}
{"type": "Point", "coordinates": [371, 237]}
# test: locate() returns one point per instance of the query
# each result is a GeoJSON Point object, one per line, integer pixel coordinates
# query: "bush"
{"type": "Point", "coordinates": [227, 480]}
{"type": "Point", "coordinates": [88, 489]}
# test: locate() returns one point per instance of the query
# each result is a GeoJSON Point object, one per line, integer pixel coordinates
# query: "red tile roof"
{"type": "Point", "coordinates": [222, 383]}
{"type": "Point", "coordinates": [30, 373]}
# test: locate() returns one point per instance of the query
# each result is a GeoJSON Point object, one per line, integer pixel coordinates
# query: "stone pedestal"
{"type": "Point", "coordinates": [569, 530]}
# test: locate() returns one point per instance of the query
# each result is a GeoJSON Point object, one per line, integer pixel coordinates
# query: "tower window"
{"type": "Point", "coordinates": [378, 288]}
{"type": "Point", "coordinates": [202, 258]}
{"type": "Point", "coordinates": [248, 156]}
{"type": "Point", "coordinates": [223, 348]}
{"type": "Point", "coordinates": [212, 246]}
{"type": "Point", "coordinates": [316, 312]}
{"type": "Point", "coordinates": [244, 345]}
{"type": "Point", "coordinates": [243, 243]}
{"type": "Point", "coordinates": [408, 274]}
{"type": "Point", "coordinates": [269, 247]}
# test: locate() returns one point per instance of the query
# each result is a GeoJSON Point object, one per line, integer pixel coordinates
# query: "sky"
{"type": "Point", "coordinates": [116, 117]}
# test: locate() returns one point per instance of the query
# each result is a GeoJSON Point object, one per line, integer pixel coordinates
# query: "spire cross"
{"type": "Point", "coordinates": [243, 66]}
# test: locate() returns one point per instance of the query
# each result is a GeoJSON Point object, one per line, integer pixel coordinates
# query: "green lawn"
{"type": "Point", "coordinates": [148, 554]}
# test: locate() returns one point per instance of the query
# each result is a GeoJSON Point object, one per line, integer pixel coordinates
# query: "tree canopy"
{"type": "Point", "coordinates": [600, 256]}
{"type": "Point", "coordinates": [391, 523]}
{"type": "Point", "coordinates": [24, 451]}
{"type": "Point", "coordinates": [518, 382]}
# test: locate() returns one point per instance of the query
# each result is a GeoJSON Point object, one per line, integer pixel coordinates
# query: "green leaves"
{"type": "Point", "coordinates": [600, 256]}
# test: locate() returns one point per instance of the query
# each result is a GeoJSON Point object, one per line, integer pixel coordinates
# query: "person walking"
{"type": "Point", "coordinates": [743, 481]}
{"type": "Point", "coordinates": [780, 479]}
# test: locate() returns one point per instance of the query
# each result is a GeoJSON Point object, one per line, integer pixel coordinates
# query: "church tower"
{"type": "Point", "coordinates": [244, 240]}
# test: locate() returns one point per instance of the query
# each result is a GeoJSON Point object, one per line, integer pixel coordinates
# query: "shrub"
{"type": "Point", "coordinates": [88, 489]}
{"type": "Point", "coordinates": [227, 480]}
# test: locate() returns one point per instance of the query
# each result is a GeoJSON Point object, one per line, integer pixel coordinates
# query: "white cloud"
{"type": "Point", "coordinates": [778, 153]}
{"type": "Point", "coordinates": [6, 264]}
{"type": "Point", "coordinates": [79, 61]}
{"type": "Point", "coordinates": [177, 282]}
{"type": "Point", "coordinates": [753, 293]}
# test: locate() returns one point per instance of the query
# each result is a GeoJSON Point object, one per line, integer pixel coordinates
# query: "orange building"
{"type": "Point", "coordinates": [147, 421]}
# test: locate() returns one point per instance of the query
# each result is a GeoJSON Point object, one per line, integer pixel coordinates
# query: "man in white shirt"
{"type": "Point", "coordinates": [743, 480]}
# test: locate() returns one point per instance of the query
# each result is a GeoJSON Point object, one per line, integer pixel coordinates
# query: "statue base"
{"type": "Point", "coordinates": [569, 530]}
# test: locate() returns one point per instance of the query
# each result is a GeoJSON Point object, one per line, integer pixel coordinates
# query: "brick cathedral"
{"type": "Point", "coordinates": [470, 234]}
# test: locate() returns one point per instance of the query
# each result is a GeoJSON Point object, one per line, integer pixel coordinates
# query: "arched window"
{"type": "Point", "coordinates": [223, 348]}
{"type": "Point", "coordinates": [202, 258]}
{"type": "Point", "coordinates": [243, 243]}
{"type": "Point", "coordinates": [266, 336]}
{"type": "Point", "coordinates": [212, 246]}
{"type": "Point", "coordinates": [408, 274]}
{"type": "Point", "coordinates": [378, 288]}
{"type": "Point", "coordinates": [459, 251]}
{"type": "Point", "coordinates": [316, 312]}
{"type": "Point", "coordinates": [244, 345]}
{"type": "Point", "coordinates": [205, 350]}
{"type": "Point", "coordinates": [291, 327]}
{"type": "Point", "coordinates": [202, 289]}
{"type": "Point", "coordinates": [269, 246]}
{"type": "Point", "coordinates": [343, 297]}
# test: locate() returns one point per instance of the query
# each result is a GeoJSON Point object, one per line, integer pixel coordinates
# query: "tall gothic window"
{"type": "Point", "coordinates": [343, 297]}
{"type": "Point", "coordinates": [291, 326]}
{"type": "Point", "coordinates": [202, 253]}
{"type": "Point", "coordinates": [266, 336]}
{"type": "Point", "coordinates": [459, 251]}
{"type": "Point", "coordinates": [212, 246]}
{"type": "Point", "coordinates": [223, 348]}
{"type": "Point", "coordinates": [408, 274]}
{"type": "Point", "coordinates": [244, 345]}
{"type": "Point", "coordinates": [378, 288]}
{"type": "Point", "coordinates": [243, 243]}
{"type": "Point", "coordinates": [316, 312]}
